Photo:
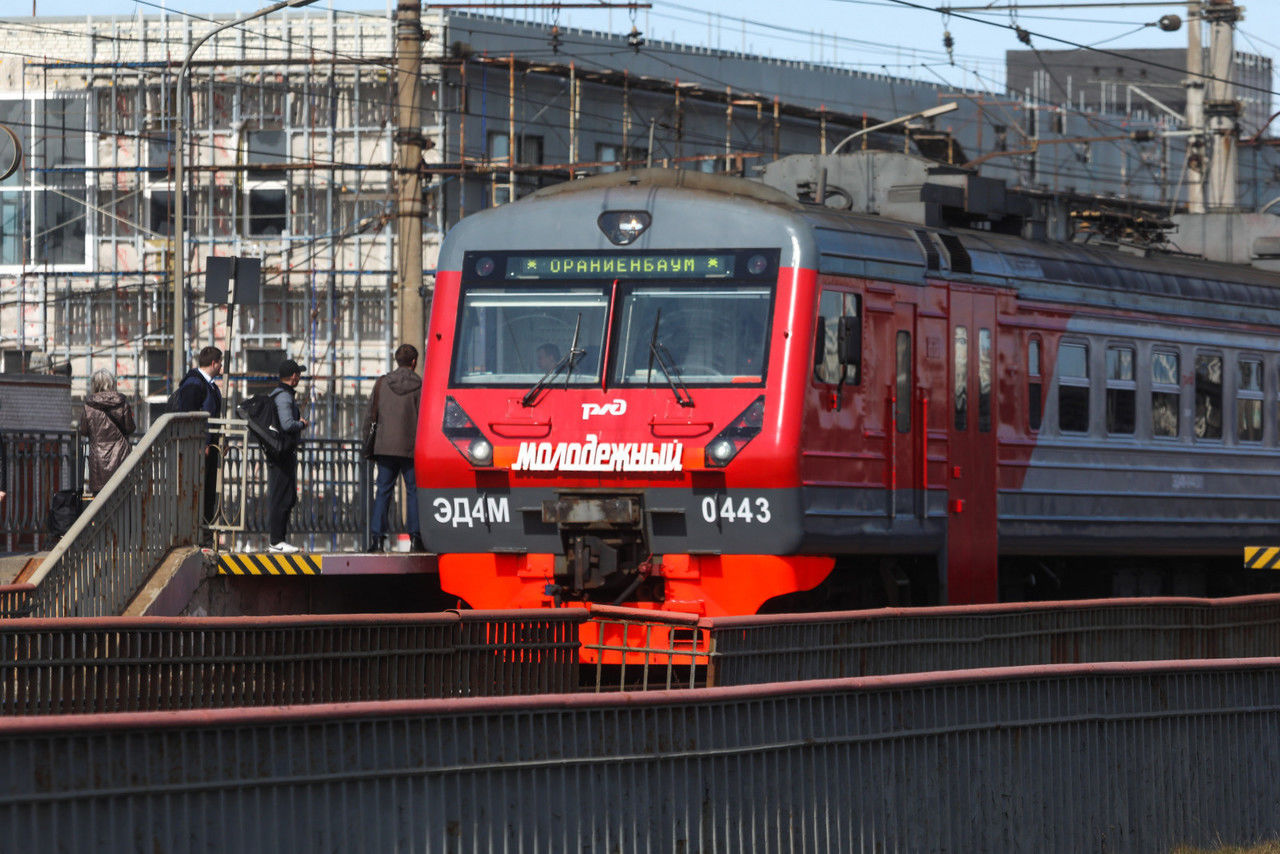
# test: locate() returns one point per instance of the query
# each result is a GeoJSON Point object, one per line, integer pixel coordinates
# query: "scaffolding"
{"type": "Point", "coordinates": [291, 153]}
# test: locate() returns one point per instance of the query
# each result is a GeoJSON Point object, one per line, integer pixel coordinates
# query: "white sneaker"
{"type": "Point", "coordinates": [282, 546]}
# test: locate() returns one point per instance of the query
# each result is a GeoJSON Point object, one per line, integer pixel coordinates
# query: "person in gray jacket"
{"type": "Point", "coordinates": [282, 469]}
{"type": "Point", "coordinates": [393, 418]}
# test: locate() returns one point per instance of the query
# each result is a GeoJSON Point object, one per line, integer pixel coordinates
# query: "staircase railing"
{"type": "Point", "coordinates": [150, 506]}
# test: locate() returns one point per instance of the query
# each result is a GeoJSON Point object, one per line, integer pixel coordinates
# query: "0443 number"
{"type": "Point", "coordinates": [730, 509]}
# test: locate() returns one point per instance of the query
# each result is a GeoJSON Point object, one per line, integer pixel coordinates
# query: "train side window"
{"type": "Point", "coordinates": [960, 394]}
{"type": "Point", "coordinates": [833, 305]}
{"type": "Point", "coordinates": [1208, 423]}
{"type": "Point", "coordinates": [1073, 388]}
{"type": "Point", "coordinates": [1121, 391]}
{"type": "Point", "coordinates": [1034, 388]}
{"type": "Point", "coordinates": [1166, 393]}
{"type": "Point", "coordinates": [984, 380]}
{"type": "Point", "coordinates": [902, 406]}
{"type": "Point", "coordinates": [1249, 401]}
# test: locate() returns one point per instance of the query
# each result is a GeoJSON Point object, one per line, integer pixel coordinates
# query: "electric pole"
{"type": "Point", "coordinates": [410, 144]}
{"type": "Point", "coordinates": [1222, 110]}
{"type": "Point", "coordinates": [1195, 111]}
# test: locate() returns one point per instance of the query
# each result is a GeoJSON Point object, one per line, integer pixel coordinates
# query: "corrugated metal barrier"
{"type": "Point", "coordinates": [132, 664]}
{"type": "Point", "coordinates": [1116, 758]}
{"type": "Point", "coordinates": [753, 650]}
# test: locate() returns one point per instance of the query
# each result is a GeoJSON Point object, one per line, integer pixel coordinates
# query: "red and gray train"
{"type": "Point", "coordinates": [696, 393]}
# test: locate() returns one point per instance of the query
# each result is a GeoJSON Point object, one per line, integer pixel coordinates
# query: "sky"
{"type": "Point", "coordinates": [900, 37]}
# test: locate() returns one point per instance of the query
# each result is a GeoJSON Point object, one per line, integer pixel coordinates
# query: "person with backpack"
{"type": "Point", "coordinates": [390, 425]}
{"type": "Point", "coordinates": [282, 467]}
{"type": "Point", "coordinates": [198, 392]}
{"type": "Point", "coordinates": [108, 423]}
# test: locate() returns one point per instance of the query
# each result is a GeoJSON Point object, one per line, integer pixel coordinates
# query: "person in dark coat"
{"type": "Point", "coordinates": [198, 392]}
{"type": "Point", "coordinates": [108, 422]}
{"type": "Point", "coordinates": [393, 408]}
{"type": "Point", "coordinates": [282, 469]}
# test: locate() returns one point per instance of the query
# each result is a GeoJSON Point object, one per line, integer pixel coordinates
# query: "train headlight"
{"type": "Point", "coordinates": [623, 227]}
{"type": "Point", "coordinates": [720, 452]}
{"type": "Point", "coordinates": [465, 436]}
{"type": "Point", "coordinates": [728, 442]}
{"type": "Point", "coordinates": [481, 452]}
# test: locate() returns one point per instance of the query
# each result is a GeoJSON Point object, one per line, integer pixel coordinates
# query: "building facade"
{"type": "Point", "coordinates": [290, 154]}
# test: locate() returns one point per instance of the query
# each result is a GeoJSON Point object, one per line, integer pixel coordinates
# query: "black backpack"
{"type": "Point", "coordinates": [63, 511]}
{"type": "Point", "coordinates": [264, 424]}
{"type": "Point", "coordinates": [174, 403]}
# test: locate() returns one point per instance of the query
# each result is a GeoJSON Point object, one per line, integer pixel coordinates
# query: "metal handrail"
{"type": "Point", "coordinates": [150, 506]}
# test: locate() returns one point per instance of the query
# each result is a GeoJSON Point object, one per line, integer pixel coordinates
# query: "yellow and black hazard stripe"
{"type": "Point", "coordinates": [268, 563]}
{"type": "Point", "coordinates": [1262, 557]}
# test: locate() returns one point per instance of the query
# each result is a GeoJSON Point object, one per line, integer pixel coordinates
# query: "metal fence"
{"type": "Point", "coordinates": [38, 464]}
{"type": "Point", "coordinates": [781, 648]}
{"type": "Point", "coordinates": [335, 495]}
{"type": "Point", "coordinates": [335, 491]}
{"type": "Point", "coordinates": [1116, 758]}
{"type": "Point", "coordinates": [135, 664]}
{"type": "Point", "coordinates": [150, 506]}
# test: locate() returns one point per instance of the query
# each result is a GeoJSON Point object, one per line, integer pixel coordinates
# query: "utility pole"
{"type": "Point", "coordinates": [410, 143]}
{"type": "Point", "coordinates": [1221, 108]}
{"type": "Point", "coordinates": [1195, 111]}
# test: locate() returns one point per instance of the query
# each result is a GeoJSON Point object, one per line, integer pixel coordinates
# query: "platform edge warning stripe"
{"type": "Point", "coordinates": [1262, 557]}
{"type": "Point", "coordinates": [269, 563]}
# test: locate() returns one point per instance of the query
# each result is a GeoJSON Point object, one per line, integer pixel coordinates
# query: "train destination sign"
{"type": "Point", "coordinates": [683, 265]}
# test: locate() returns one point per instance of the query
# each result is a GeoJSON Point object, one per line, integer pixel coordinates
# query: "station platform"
{"type": "Point", "coordinates": [324, 564]}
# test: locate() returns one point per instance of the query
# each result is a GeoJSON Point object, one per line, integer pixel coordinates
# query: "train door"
{"type": "Point", "coordinates": [972, 548]}
{"type": "Point", "coordinates": [907, 430]}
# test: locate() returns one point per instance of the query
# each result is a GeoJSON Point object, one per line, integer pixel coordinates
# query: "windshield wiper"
{"type": "Point", "coordinates": [659, 351]}
{"type": "Point", "coordinates": [566, 364]}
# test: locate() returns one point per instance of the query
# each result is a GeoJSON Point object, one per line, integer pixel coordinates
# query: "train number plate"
{"type": "Point", "coordinates": [728, 508]}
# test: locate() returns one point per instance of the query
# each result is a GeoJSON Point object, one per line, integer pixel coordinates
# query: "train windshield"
{"type": "Point", "coordinates": [711, 334]}
{"type": "Point", "coordinates": [514, 336]}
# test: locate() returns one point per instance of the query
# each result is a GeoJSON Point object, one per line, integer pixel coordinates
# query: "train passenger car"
{"type": "Point", "coordinates": [673, 390]}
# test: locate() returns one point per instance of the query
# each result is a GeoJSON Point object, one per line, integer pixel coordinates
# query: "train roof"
{"type": "Point", "coordinates": [1078, 274]}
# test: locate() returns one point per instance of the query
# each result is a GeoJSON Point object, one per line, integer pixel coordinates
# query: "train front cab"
{"type": "Point", "coordinates": [653, 465]}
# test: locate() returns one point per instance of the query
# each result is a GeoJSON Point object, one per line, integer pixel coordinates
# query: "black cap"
{"type": "Point", "coordinates": [289, 367]}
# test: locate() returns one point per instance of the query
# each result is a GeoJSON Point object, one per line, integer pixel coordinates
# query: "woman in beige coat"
{"type": "Point", "coordinates": [108, 422]}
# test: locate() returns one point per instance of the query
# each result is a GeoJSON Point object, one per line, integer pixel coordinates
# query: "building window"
{"type": "Point", "coordinates": [608, 156]}
{"type": "Point", "coordinates": [159, 363]}
{"type": "Point", "coordinates": [44, 207]}
{"type": "Point", "coordinates": [1121, 391]}
{"type": "Point", "coordinates": [266, 214]}
{"type": "Point", "coordinates": [528, 153]}
{"type": "Point", "coordinates": [960, 380]}
{"type": "Point", "coordinates": [1249, 401]}
{"type": "Point", "coordinates": [160, 212]}
{"type": "Point", "coordinates": [1035, 400]}
{"type": "Point", "coordinates": [1073, 388]}
{"type": "Point", "coordinates": [160, 163]}
{"type": "Point", "coordinates": [265, 148]}
{"type": "Point", "coordinates": [1166, 394]}
{"type": "Point", "coordinates": [266, 204]}
{"type": "Point", "coordinates": [1208, 423]}
{"type": "Point", "coordinates": [261, 369]}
